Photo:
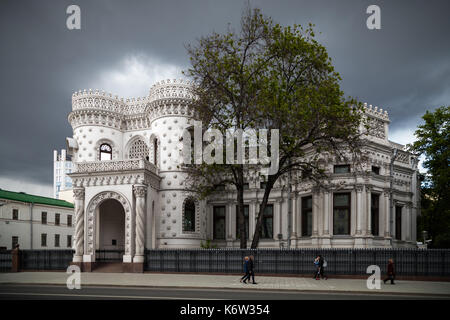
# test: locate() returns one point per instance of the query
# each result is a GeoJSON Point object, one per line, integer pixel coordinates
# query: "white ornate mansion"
{"type": "Point", "coordinates": [129, 192]}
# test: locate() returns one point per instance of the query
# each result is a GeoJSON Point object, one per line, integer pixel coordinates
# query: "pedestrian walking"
{"type": "Point", "coordinates": [322, 265]}
{"type": "Point", "coordinates": [390, 272]}
{"type": "Point", "coordinates": [317, 269]}
{"type": "Point", "coordinates": [251, 268]}
{"type": "Point", "coordinates": [246, 276]}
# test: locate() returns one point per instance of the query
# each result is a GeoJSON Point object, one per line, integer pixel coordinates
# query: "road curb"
{"type": "Point", "coordinates": [312, 291]}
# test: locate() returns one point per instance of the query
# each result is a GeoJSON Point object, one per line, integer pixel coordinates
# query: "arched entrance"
{"type": "Point", "coordinates": [108, 229]}
{"type": "Point", "coordinates": [110, 244]}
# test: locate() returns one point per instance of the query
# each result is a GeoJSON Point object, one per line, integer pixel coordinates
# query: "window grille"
{"type": "Point", "coordinates": [138, 150]}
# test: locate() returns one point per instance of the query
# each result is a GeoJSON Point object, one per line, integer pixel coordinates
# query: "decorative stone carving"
{"type": "Point", "coordinates": [79, 222]}
{"type": "Point", "coordinates": [140, 193]}
{"type": "Point", "coordinates": [91, 210]}
{"type": "Point", "coordinates": [376, 128]}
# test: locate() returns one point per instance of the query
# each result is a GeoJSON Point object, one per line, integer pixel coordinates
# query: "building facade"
{"type": "Point", "coordinates": [35, 222]}
{"type": "Point", "coordinates": [62, 167]}
{"type": "Point", "coordinates": [129, 193]}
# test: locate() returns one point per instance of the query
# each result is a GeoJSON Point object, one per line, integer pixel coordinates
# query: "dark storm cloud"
{"type": "Point", "coordinates": [404, 67]}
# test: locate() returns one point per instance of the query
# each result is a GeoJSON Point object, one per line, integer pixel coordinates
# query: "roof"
{"type": "Point", "coordinates": [29, 198]}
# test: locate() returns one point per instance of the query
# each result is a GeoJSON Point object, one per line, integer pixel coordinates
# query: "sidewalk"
{"type": "Point", "coordinates": [227, 282]}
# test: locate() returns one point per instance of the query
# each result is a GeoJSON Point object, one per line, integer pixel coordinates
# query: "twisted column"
{"type": "Point", "coordinates": [79, 224]}
{"type": "Point", "coordinates": [140, 193]}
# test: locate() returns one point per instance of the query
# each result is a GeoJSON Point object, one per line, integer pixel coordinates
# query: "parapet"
{"type": "Point", "coordinates": [375, 112]}
{"type": "Point", "coordinates": [98, 100]}
{"type": "Point", "coordinates": [171, 89]}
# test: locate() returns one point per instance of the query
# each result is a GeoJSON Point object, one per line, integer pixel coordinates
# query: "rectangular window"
{"type": "Point", "coordinates": [341, 213]}
{"type": "Point", "coordinates": [238, 236]}
{"type": "Point", "coordinates": [307, 216]}
{"type": "Point", "coordinates": [15, 214]}
{"type": "Point", "coordinates": [69, 220]}
{"type": "Point", "coordinates": [14, 242]}
{"type": "Point", "coordinates": [266, 230]}
{"type": "Point", "coordinates": [44, 217]}
{"type": "Point", "coordinates": [262, 185]}
{"type": "Point", "coordinates": [56, 240]}
{"type": "Point", "coordinates": [375, 214]}
{"type": "Point", "coordinates": [343, 168]}
{"type": "Point", "coordinates": [398, 222]}
{"type": "Point", "coordinates": [219, 222]}
{"type": "Point", "coordinates": [246, 186]}
{"type": "Point", "coordinates": [43, 240]}
{"type": "Point", "coordinates": [69, 241]}
{"type": "Point", "coordinates": [220, 187]}
{"type": "Point", "coordinates": [57, 219]}
{"type": "Point", "coordinates": [376, 170]}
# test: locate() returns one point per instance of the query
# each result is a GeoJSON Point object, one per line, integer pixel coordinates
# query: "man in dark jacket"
{"type": "Point", "coordinates": [390, 272]}
{"type": "Point", "coordinates": [321, 266]}
{"type": "Point", "coordinates": [251, 269]}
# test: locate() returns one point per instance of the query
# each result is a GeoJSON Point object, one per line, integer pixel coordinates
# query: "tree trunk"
{"type": "Point", "coordinates": [262, 208]}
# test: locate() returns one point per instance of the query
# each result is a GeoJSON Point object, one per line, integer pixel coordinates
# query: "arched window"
{"type": "Point", "coordinates": [105, 152]}
{"type": "Point", "coordinates": [155, 151]}
{"type": "Point", "coordinates": [189, 216]}
{"type": "Point", "coordinates": [139, 150]}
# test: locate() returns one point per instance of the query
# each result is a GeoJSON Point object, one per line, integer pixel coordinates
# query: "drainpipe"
{"type": "Point", "coordinates": [31, 225]}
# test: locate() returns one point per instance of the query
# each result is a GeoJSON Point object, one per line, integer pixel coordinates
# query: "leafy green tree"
{"type": "Point", "coordinates": [226, 69]}
{"type": "Point", "coordinates": [301, 98]}
{"type": "Point", "coordinates": [433, 142]}
{"type": "Point", "coordinates": [270, 77]}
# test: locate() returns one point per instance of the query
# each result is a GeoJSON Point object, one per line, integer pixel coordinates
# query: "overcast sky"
{"type": "Point", "coordinates": [123, 47]}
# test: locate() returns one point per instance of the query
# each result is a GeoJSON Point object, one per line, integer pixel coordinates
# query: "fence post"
{"type": "Point", "coordinates": [15, 256]}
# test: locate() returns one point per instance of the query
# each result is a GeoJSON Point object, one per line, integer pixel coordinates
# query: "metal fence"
{"type": "Point", "coordinates": [109, 255]}
{"type": "Point", "coordinates": [5, 260]}
{"type": "Point", "coordinates": [45, 259]}
{"type": "Point", "coordinates": [408, 262]}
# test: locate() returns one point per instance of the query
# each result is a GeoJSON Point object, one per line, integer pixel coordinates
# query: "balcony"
{"type": "Point", "coordinates": [114, 166]}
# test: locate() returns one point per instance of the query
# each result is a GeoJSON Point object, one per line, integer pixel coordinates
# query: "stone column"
{"type": "Point", "coordinates": [326, 238]}
{"type": "Point", "coordinates": [369, 210]}
{"type": "Point", "coordinates": [276, 219]}
{"type": "Point", "coordinates": [359, 210]}
{"type": "Point", "coordinates": [294, 221]}
{"type": "Point", "coordinates": [229, 209]}
{"type": "Point", "coordinates": [359, 241]}
{"type": "Point", "coordinates": [408, 221]}
{"type": "Point", "coordinates": [326, 212]}
{"type": "Point", "coordinates": [78, 194]}
{"type": "Point", "coordinates": [387, 214]}
{"type": "Point", "coordinates": [315, 217]}
{"type": "Point", "coordinates": [140, 194]}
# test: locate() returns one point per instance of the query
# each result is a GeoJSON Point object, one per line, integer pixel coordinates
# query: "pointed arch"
{"type": "Point", "coordinates": [155, 150]}
{"type": "Point", "coordinates": [137, 148]}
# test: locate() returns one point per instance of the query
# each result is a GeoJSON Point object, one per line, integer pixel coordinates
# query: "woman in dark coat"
{"type": "Point", "coordinates": [246, 276]}
{"type": "Point", "coordinates": [390, 272]}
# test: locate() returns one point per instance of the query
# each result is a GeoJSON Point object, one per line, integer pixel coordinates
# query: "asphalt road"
{"type": "Point", "coordinates": [53, 292]}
